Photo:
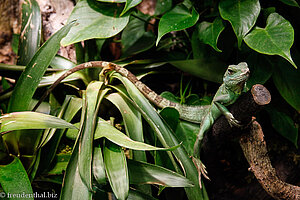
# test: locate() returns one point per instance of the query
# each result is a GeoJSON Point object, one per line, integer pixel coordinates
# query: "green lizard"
{"type": "Point", "coordinates": [233, 84]}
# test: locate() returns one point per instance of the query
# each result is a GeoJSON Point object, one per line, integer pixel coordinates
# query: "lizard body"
{"type": "Point", "coordinates": [233, 84]}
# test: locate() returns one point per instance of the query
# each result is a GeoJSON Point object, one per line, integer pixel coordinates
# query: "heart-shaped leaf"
{"type": "Point", "coordinates": [95, 20]}
{"type": "Point", "coordinates": [275, 39]}
{"type": "Point", "coordinates": [241, 14]}
{"type": "Point", "coordinates": [130, 4]}
{"type": "Point", "coordinates": [135, 39]}
{"type": "Point", "coordinates": [209, 32]}
{"type": "Point", "coordinates": [177, 19]}
{"type": "Point", "coordinates": [162, 6]}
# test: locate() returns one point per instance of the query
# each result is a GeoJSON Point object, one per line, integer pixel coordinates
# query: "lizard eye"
{"type": "Point", "coordinates": [230, 71]}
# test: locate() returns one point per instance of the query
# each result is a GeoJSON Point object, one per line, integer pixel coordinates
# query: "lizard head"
{"type": "Point", "coordinates": [236, 76]}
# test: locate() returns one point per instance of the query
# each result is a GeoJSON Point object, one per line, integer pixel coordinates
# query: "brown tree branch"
{"type": "Point", "coordinates": [255, 151]}
{"type": "Point", "coordinates": [252, 142]}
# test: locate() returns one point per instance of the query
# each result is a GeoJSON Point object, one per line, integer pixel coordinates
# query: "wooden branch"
{"type": "Point", "coordinates": [252, 142]}
{"type": "Point", "coordinates": [243, 110]}
{"type": "Point", "coordinates": [255, 151]}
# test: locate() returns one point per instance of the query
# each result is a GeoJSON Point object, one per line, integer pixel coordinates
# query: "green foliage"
{"type": "Point", "coordinates": [209, 32]}
{"type": "Point", "coordinates": [95, 20]}
{"type": "Point", "coordinates": [116, 123]}
{"type": "Point", "coordinates": [31, 31]}
{"type": "Point", "coordinates": [242, 15]}
{"type": "Point", "coordinates": [30, 78]}
{"type": "Point", "coordinates": [179, 18]}
{"type": "Point", "coordinates": [278, 37]}
{"type": "Point", "coordinates": [14, 180]}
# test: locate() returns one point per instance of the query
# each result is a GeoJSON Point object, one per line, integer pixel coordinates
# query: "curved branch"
{"type": "Point", "coordinates": [255, 151]}
{"type": "Point", "coordinates": [252, 142]}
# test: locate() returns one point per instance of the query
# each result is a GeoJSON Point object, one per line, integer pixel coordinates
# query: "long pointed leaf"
{"type": "Point", "coordinates": [141, 173]}
{"type": "Point", "coordinates": [116, 169]}
{"type": "Point", "coordinates": [30, 32]}
{"type": "Point", "coordinates": [104, 129]}
{"type": "Point", "coordinates": [86, 140]}
{"type": "Point", "coordinates": [30, 78]}
{"type": "Point", "coordinates": [31, 120]}
{"type": "Point", "coordinates": [98, 166]}
{"type": "Point", "coordinates": [132, 122]}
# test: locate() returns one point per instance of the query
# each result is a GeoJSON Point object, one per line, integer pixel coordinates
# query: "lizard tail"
{"type": "Point", "coordinates": [144, 89]}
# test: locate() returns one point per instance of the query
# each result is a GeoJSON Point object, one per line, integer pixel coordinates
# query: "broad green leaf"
{"type": "Point", "coordinates": [209, 68]}
{"type": "Point", "coordinates": [284, 125]}
{"type": "Point", "coordinates": [98, 166]}
{"type": "Point", "coordinates": [290, 2]}
{"type": "Point", "coordinates": [162, 6]}
{"type": "Point", "coordinates": [242, 14]}
{"type": "Point", "coordinates": [116, 169]}
{"type": "Point", "coordinates": [31, 120]}
{"type": "Point", "coordinates": [177, 19]}
{"type": "Point", "coordinates": [166, 137]}
{"type": "Point", "coordinates": [30, 78]}
{"type": "Point", "coordinates": [93, 98]}
{"type": "Point", "coordinates": [144, 43]}
{"type": "Point", "coordinates": [145, 173]}
{"type": "Point", "coordinates": [30, 32]}
{"type": "Point", "coordinates": [275, 39]}
{"type": "Point", "coordinates": [94, 20]}
{"type": "Point", "coordinates": [104, 129]}
{"type": "Point", "coordinates": [209, 32]}
{"type": "Point", "coordinates": [134, 38]}
{"type": "Point", "coordinates": [14, 179]}
{"type": "Point", "coordinates": [287, 81]}
{"type": "Point", "coordinates": [130, 4]}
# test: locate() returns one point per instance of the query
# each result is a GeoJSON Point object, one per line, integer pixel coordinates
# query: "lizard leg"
{"type": "Point", "coordinates": [205, 126]}
{"type": "Point", "coordinates": [230, 118]}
